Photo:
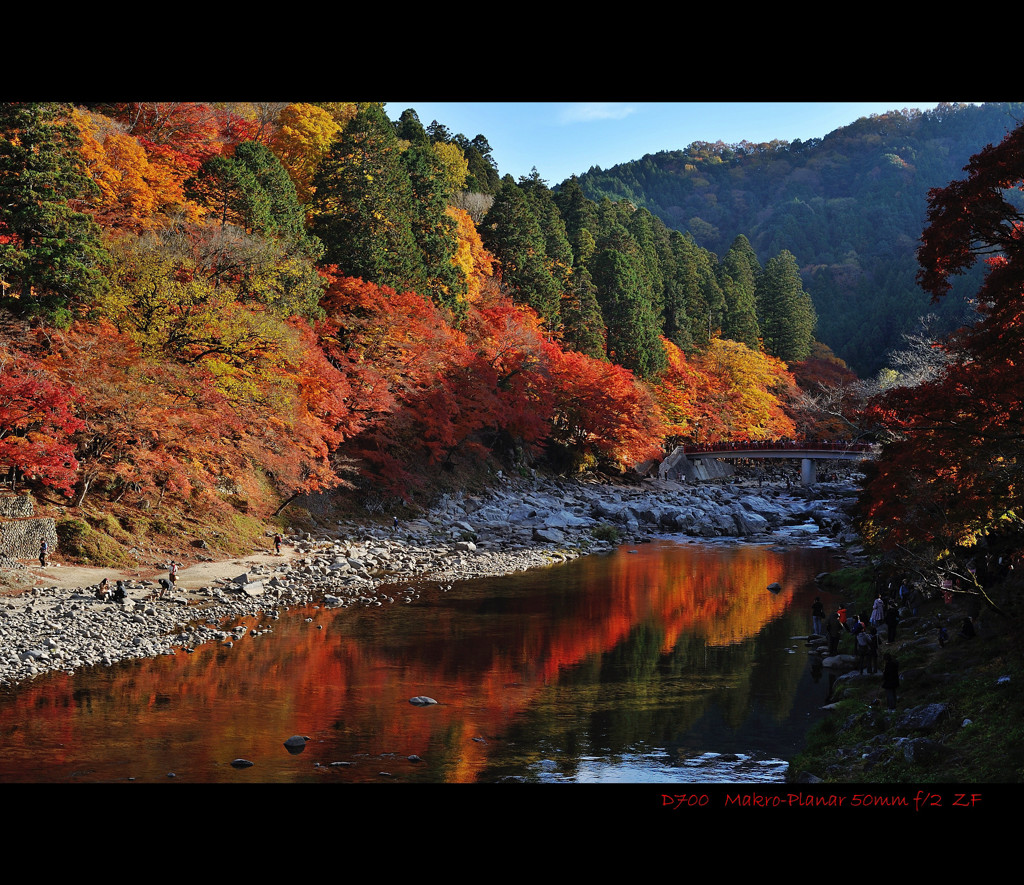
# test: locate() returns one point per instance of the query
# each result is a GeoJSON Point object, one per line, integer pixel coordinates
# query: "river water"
{"type": "Point", "coordinates": [667, 662]}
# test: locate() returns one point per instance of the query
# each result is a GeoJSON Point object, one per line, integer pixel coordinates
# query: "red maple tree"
{"type": "Point", "coordinates": [953, 470]}
{"type": "Point", "coordinates": [37, 420]}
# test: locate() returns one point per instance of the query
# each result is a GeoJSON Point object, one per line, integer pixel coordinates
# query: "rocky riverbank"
{"type": "Point", "coordinates": [520, 524]}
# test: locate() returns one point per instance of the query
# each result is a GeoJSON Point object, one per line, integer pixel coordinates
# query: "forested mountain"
{"type": "Point", "coordinates": [850, 207]}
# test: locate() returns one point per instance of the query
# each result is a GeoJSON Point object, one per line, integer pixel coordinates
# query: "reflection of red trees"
{"type": "Point", "coordinates": [350, 679]}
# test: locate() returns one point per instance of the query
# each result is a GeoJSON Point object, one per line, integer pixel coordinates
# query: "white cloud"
{"type": "Point", "coordinates": [585, 112]}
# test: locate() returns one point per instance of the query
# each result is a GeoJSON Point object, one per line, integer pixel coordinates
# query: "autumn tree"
{"type": "Point", "coordinates": [601, 412]}
{"type": "Point", "coordinates": [179, 134]}
{"type": "Point", "coordinates": [952, 470]}
{"type": "Point", "coordinates": [726, 392]}
{"type": "Point", "coordinates": [304, 135]}
{"type": "Point", "coordinates": [472, 260]}
{"type": "Point", "coordinates": [830, 397]}
{"type": "Point", "coordinates": [133, 193]}
{"type": "Point", "coordinates": [169, 304]}
{"type": "Point", "coordinates": [37, 421]}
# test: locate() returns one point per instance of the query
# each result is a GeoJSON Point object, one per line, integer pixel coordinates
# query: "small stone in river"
{"type": "Point", "coordinates": [421, 701]}
{"type": "Point", "coordinates": [296, 743]}
{"type": "Point", "coordinates": [241, 763]}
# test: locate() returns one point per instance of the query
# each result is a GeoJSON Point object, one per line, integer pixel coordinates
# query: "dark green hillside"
{"type": "Point", "coordinates": [849, 206]}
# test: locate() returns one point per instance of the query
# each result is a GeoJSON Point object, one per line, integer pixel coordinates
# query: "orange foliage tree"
{"type": "Point", "coordinates": [474, 262]}
{"type": "Point", "coordinates": [132, 189]}
{"type": "Point", "coordinates": [153, 428]}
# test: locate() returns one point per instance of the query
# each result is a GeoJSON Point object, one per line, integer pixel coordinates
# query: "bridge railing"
{"type": "Point", "coordinates": [741, 447]}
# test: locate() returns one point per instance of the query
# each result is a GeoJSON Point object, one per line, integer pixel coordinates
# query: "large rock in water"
{"type": "Point", "coordinates": [561, 519]}
{"type": "Point", "coordinates": [750, 523]}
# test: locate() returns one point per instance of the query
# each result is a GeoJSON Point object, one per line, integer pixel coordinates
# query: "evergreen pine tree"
{"type": "Point", "coordinates": [583, 328]}
{"type": "Point", "coordinates": [434, 230]}
{"type": "Point", "coordinates": [785, 311]}
{"type": "Point", "coordinates": [739, 272]}
{"type": "Point", "coordinates": [362, 207]}
{"type": "Point", "coordinates": [512, 234]}
{"type": "Point", "coordinates": [50, 251]}
{"type": "Point", "coordinates": [627, 305]}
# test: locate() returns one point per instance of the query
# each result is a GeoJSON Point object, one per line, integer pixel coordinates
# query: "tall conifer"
{"type": "Point", "coordinates": [50, 251]}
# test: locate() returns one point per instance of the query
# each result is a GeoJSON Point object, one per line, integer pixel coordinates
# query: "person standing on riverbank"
{"type": "Point", "coordinates": [892, 618]}
{"type": "Point", "coordinates": [834, 630]}
{"type": "Point", "coordinates": [173, 576]}
{"type": "Point", "coordinates": [44, 548]}
{"type": "Point", "coordinates": [817, 615]}
{"type": "Point", "coordinates": [877, 611]}
{"type": "Point", "coordinates": [277, 543]}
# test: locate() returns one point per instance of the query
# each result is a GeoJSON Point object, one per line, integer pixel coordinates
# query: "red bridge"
{"type": "Point", "coordinates": [807, 450]}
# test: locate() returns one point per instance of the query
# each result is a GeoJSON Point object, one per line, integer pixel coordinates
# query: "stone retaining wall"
{"type": "Point", "coordinates": [20, 538]}
{"type": "Point", "coordinates": [20, 532]}
{"type": "Point", "coordinates": [16, 506]}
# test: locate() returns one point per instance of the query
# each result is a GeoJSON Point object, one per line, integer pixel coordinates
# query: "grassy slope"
{"type": "Point", "coordinates": [978, 679]}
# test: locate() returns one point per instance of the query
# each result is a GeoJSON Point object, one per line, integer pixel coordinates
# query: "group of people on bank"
{"type": "Point", "coordinates": [865, 636]}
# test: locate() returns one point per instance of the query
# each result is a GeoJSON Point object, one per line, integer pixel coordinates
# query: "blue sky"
{"type": "Point", "coordinates": [565, 138]}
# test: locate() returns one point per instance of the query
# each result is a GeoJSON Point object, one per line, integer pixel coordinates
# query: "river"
{"type": "Point", "coordinates": [665, 662]}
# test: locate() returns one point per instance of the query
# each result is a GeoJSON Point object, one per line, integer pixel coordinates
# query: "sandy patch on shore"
{"type": "Point", "coordinates": [190, 577]}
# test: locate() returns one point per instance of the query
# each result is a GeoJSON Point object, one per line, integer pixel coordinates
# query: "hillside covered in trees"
{"type": "Point", "coordinates": [210, 309]}
{"type": "Point", "coordinates": [850, 207]}
{"type": "Point", "coordinates": [207, 310]}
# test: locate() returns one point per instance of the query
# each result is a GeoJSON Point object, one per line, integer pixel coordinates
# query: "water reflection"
{"type": "Point", "coordinates": [659, 662]}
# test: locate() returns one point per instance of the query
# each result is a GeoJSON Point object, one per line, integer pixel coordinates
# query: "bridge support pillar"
{"type": "Point", "coordinates": [808, 475]}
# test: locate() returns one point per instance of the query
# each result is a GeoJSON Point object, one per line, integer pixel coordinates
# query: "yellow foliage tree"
{"type": "Point", "coordinates": [169, 306]}
{"type": "Point", "coordinates": [304, 135]}
{"type": "Point", "coordinates": [474, 262]}
{"type": "Point", "coordinates": [755, 384]}
{"type": "Point", "coordinates": [454, 166]}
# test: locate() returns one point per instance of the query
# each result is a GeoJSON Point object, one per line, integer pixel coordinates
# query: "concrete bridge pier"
{"type": "Point", "coordinates": [808, 473]}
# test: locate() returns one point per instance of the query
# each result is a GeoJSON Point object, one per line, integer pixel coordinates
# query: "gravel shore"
{"type": "Point", "coordinates": [60, 624]}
